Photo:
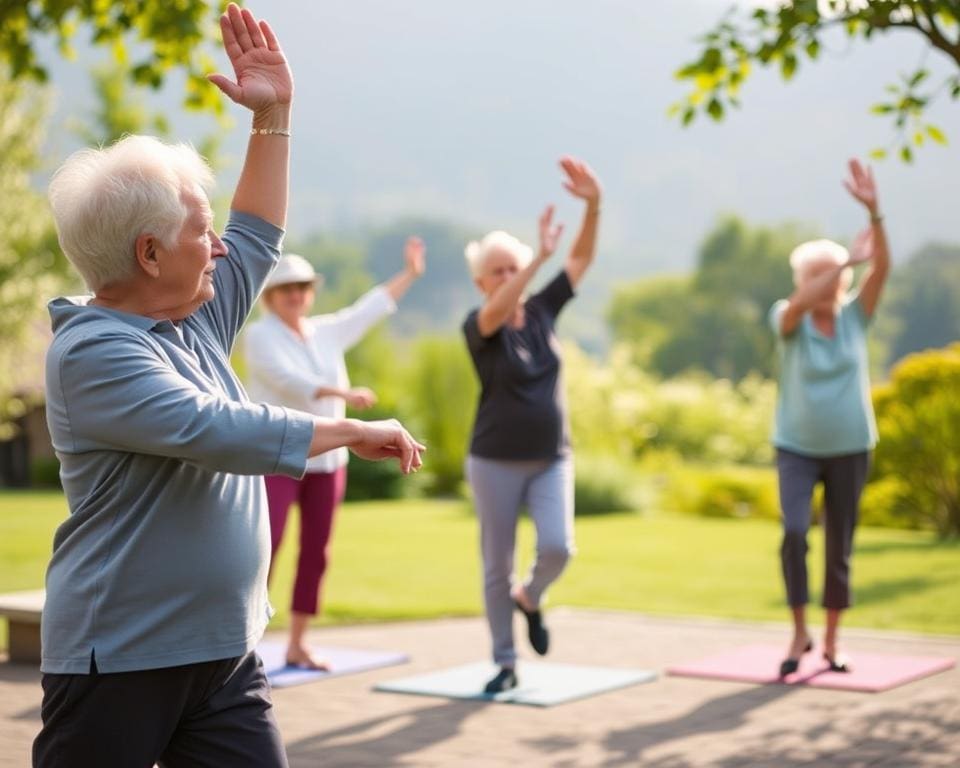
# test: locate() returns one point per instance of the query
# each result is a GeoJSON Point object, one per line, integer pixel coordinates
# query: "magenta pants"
{"type": "Point", "coordinates": [317, 495]}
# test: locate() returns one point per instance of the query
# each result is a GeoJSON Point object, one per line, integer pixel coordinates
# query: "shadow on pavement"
{"type": "Point", "coordinates": [625, 747]}
{"type": "Point", "coordinates": [383, 741]}
{"type": "Point", "coordinates": [832, 734]}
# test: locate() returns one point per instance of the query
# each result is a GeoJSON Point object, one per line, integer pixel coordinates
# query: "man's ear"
{"type": "Point", "coordinates": [145, 249]}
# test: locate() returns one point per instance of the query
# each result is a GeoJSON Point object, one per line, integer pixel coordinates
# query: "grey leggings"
{"type": "Point", "coordinates": [500, 489]}
{"type": "Point", "coordinates": [843, 478]}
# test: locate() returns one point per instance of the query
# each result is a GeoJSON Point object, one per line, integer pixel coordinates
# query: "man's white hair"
{"type": "Point", "coordinates": [104, 199]}
{"type": "Point", "coordinates": [816, 252]}
{"type": "Point", "coordinates": [476, 252]}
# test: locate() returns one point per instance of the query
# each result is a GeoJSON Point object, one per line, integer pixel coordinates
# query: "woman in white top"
{"type": "Point", "coordinates": [296, 360]}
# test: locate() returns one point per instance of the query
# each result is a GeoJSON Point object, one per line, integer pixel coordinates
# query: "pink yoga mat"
{"type": "Point", "coordinates": [871, 673]}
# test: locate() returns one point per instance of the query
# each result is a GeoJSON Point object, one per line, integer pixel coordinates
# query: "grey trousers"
{"type": "Point", "coordinates": [500, 489]}
{"type": "Point", "coordinates": [843, 478]}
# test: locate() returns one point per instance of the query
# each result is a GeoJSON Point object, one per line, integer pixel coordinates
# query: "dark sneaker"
{"type": "Point", "coordinates": [536, 631]}
{"type": "Point", "coordinates": [505, 680]}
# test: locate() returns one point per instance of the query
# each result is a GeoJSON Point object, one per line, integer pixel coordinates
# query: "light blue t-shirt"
{"type": "Point", "coordinates": [823, 405]}
{"type": "Point", "coordinates": [163, 559]}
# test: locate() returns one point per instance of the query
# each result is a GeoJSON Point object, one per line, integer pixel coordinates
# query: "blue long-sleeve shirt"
{"type": "Point", "coordinates": [163, 559]}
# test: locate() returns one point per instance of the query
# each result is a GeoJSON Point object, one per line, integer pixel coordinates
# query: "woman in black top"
{"type": "Point", "coordinates": [520, 448]}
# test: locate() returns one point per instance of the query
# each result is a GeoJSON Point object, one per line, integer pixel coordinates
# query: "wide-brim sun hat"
{"type": "Point", "coordinates": [291, 269]}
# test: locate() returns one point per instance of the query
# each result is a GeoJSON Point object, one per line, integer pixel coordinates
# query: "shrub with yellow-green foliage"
{"type": "Point", "coordinates": [618, 408]}
{"type": "Point", "coordinates": [722, 491]}
{"type": "Point", "coordinates": [918, 457]}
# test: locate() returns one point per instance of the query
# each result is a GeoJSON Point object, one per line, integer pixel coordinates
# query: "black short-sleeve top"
{"type": "Point", "coordinates": [521, 414]}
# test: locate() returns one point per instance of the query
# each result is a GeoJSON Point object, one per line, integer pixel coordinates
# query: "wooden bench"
{"type": "Point", "coordinates": [23, 610]}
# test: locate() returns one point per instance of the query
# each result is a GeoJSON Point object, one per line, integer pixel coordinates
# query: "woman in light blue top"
{"type": "Point", "coordinates": [825, 428]}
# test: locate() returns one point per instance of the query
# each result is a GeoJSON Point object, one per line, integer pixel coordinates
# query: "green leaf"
{"type": "Point", "coordinates": [917, 78]}
{"type": "Point", "coordinates": [715, 109]}
{"type": "Point", "coordinates": [813, 48]}
{"type": "Point", "coordinates": [688, 116]}
{"type": "Point", "coordinates": [788, 66]}
{"type": "Point", "coordinates": [711, 60]}
{"type": "Point", "coordinates": [882, 109]}
{"type": "Point", "coordinates": [878, 154]}
{"type": "Point", "coordinates": [906, 154]}
{"type": "Point", "coordinates": [936, 134]}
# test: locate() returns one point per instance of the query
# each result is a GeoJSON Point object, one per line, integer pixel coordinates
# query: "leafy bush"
{"type": "Point", "coordinates": [45, 473]}
{"type": "Point", "coordinates": [441, 395]}
{"type": "Point", "coordinates": [604, 485]}
{"type": "Point", "coordinates": [617, 409]}
{"type": "Point", "coordinates": [367, 480]}
{"type": "Point", "coordinates": [882, 505]}
{"type": "Point", "coordinates": [723, 492]}
{"type": "Point", "coordinates": [918, 416]}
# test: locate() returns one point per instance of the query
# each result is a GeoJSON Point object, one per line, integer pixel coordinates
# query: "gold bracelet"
{"type": "Point", "coordinates": [270, 132]}
{"type": "Point", "coordinates": [876, 218]}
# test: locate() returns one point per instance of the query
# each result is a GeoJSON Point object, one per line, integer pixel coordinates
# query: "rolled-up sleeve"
{"type": "Point", "coordinates": [120, 394]}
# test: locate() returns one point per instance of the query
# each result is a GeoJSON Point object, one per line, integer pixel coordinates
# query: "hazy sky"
{"type": "Point", "coordinates": [460, 110]}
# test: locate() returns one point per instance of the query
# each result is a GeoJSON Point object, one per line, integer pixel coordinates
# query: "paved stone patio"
{"type": "Point", "coordinates": [671, 723]}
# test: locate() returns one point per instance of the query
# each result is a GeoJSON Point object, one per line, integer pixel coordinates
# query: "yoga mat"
{"type": "Point", "coordinates": [871, 672]}
{"type": "Point", "coordinates": [343, 661]}
{"type": "Point", "coordinates": [540, 684]}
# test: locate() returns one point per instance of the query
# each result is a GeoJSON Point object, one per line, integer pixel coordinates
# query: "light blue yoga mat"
{"type": "Point", "coordinates": [343, 661]}
{"type": "Point", "coordinates": [541, 684]}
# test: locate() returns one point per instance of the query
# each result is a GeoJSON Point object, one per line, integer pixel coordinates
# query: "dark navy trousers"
{"type": "Point", "coordinates": [843, 478]}
{"type": "Point", "coordinates": [206, 715]}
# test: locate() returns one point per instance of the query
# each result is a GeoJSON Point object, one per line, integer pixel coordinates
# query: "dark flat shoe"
{"type": "Point", "coordinates": [789, 666]}
{"type": "Point", "coordinates": [505, 680]}
{"type": "Point", "coordinates": [838, 663]}
{"type": "Point", "coordinates": [536, 631]}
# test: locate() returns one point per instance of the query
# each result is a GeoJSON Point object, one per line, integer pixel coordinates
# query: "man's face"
{"type": "Point", "coordinates": [186, 268]}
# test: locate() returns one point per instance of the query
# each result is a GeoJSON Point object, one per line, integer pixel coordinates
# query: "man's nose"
{"type": "Point", "coordinates": [218, 249]}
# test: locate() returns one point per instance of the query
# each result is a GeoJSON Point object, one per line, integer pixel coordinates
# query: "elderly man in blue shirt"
{"type": "Point", "coordinates": [156, 592]}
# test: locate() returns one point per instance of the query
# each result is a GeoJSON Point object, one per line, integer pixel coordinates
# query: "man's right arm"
{"type": "Point", "coordinates": [118, 394]}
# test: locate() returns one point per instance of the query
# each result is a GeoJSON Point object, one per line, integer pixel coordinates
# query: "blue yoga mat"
{"type": "Point", "coordinates": [540, 684]}
{"type": "Point", "coordinates": [343, 661]}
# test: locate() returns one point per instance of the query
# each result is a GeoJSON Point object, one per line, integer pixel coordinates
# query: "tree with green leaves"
{"type": "Point", "coordinates": [714, 321]}
{"type": "Point", "coordinates": [147, 38]}
{"type": "Point", "coordinates": [922, 310]}
{"type": "Point", "coordinates": [783, 36]}
{"type": "Point", "coordinates": [32, 268]}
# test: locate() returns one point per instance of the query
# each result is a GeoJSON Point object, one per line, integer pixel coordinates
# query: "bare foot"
{"type": "Point", "coordinates": [302, 658]}
{"type": "Point", "coordinates": [519, 594]}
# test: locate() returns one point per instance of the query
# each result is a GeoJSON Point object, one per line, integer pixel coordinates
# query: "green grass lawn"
{"type": "Point", "coordinates": [419, 559]}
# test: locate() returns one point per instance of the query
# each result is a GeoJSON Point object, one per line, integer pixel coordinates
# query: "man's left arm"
{"type": "Point", "coordinates": [264, 85]}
